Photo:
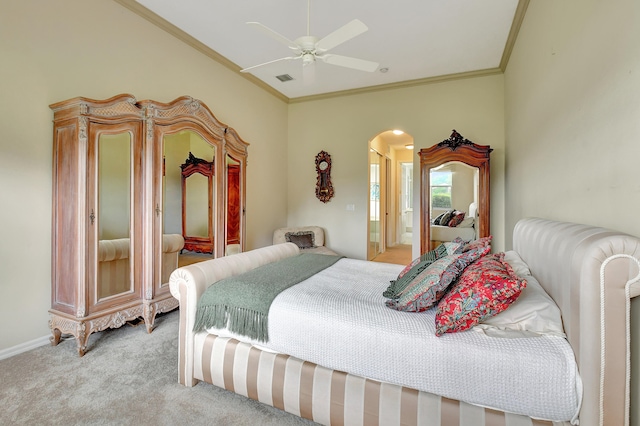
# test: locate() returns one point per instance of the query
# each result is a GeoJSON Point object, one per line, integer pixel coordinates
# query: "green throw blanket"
{"type": "Point", "coordinates": [241, 303]}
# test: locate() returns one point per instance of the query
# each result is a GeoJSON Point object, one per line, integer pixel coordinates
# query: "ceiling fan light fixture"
{"type": "Point", "coordinates": [308, 58]}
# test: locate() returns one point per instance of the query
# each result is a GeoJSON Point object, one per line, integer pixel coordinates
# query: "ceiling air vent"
{"type": "Point", "coordinates": [284, 77]}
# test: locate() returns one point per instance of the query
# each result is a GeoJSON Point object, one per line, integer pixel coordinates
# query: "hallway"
{"type": "Point", "coordinates": [399, 254]}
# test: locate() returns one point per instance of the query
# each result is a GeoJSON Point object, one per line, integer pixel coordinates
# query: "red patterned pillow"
{"type": "Point", "coordinates": [480, 242]}
{"type": "Point", "coordinates": [485, 288]}
{"type": "Point", "coordinates": [456, 218]}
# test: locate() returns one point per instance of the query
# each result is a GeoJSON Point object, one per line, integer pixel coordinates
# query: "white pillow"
{"type": "Point", "coordinates": [534, 313]}
{"type": "Point", "coordinates": [467, 222]}
{"type": "Point", "coordinates": [516, 262]}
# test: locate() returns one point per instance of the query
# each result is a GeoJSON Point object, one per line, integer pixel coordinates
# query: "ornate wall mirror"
{"type": "Point", "coordinates": [459, 170]}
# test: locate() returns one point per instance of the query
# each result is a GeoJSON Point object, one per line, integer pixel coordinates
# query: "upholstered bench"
{"type": "Point", "coordinates": [310, 239]}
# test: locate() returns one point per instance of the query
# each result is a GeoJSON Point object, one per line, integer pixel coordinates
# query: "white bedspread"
{"type": "Point", "coordinates": [448, 233]}
{"type": "Point", "coordinates": [338, 319]}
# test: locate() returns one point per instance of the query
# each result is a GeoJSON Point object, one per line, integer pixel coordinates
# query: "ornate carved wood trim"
{"type": "Point", "coordinates": [78, 123]}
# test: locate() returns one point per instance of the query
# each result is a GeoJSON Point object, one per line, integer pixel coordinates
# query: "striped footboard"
{"type": "Point", "coordinates": [331, 397]}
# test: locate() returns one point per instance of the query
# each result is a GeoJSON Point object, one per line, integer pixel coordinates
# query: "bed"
{"type": "Point", "coordinates": [443, 233]}
{"type": "Point", "coordinates": [465, 229]}
{"type": "Point", "coordinates": [591, 274]}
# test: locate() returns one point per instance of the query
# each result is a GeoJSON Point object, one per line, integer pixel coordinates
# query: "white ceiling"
{"type": "Point", "coordinates": [413, 39]}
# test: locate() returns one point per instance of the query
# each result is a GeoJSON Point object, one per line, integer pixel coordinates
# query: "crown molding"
{"type": "Point", "coordinates": [513, 33]}
{"type": "Point", "coordinates": [162, 23]}
{"type": "Point", "coordinates": [400, 84]}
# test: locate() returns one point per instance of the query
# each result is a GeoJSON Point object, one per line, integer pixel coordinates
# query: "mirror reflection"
{"type": "Point", "coordinates": [453, 202]}
{"type": "Point", "coordinates": [188, 200]}
{"type": "Point", "coordinates": [199, 202]}
{"type": "Point", "coordinates": [197, 210]}
{"type": "Point", "coordinates": [189, 192]}
{"type": "Point", "coordinates": [113, 220]}
{"type": "Point", "coordinates": [234, 209]}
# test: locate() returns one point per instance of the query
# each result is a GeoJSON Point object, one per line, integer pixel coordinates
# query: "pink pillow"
{"type": "Point", "coordinates": [485, 288]}
{"type": "Point", "coordinates": [456, 218]}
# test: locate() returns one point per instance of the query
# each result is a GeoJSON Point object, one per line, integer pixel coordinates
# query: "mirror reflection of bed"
{"type": "Point", "coordinates": [454, 201]}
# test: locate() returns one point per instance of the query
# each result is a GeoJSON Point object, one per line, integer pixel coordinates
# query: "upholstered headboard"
{"type": "Point", "coordinates": [591, 273]}
{"type": "Point", "coordinates": [279, 235]}
{"type": "Point", "coordinates": [473, 210]}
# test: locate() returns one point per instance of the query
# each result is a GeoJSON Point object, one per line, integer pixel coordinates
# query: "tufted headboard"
{"type": "Point", "coordinates": [591, 273]}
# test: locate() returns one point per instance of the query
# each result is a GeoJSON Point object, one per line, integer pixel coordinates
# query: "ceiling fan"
{"type": "Point", "coordinates": [309, 48]}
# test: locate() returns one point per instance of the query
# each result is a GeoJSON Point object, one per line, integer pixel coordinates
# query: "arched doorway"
{"type": "Point", "coordinates": [390, 159]}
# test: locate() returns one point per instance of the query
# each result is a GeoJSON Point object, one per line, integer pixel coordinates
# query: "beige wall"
{"type": "Point", "coordinates": [573, 123]}
{"type": "Point", "coordinates": [56, 50]}
{"type": "Point", "coordinates": [343, 126]}
{"type": "Point", "coordinates": [573, 114]}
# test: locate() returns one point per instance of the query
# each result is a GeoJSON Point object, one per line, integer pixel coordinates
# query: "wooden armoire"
{"type": "Point", "coordinates": [114, 201]}
{"type": "Point", "coordinates": [455, 149]}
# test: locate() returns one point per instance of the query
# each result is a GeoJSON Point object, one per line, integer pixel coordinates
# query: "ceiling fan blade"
{"type": "Point", "coordinates": [348, 62]}
{"type": "Point", "coordinates": [339, 36]}
{"type": "Point", "coordinates": [288, 58]}
{"type": "Point", "coordinates": [274, 35]}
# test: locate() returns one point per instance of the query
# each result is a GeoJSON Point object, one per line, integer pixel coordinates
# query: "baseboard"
{"type": "Point", "coordinates": [24, 347]}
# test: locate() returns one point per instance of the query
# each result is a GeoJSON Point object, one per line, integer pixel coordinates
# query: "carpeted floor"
{"type": "Point", "coordinates": [127, 377]}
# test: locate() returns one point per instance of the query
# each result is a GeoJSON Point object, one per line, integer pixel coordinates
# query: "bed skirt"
{"type": "Point", "coordinates": [332, 397]}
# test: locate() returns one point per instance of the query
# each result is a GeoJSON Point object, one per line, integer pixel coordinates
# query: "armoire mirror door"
{"type": "Point", "coordinates": [97, 260]}
{"type": "Point", "coordinates": [114, 269]}
{"type": "Point", "coordinates": [113, 213]}
{"type": "Point", "coordinates": [444, 156]}
{"type": "Point", "coordinates": [186, 126]}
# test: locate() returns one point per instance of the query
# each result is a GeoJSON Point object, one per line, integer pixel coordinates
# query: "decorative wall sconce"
{"type": "Point", "coordinates": [324, 188]}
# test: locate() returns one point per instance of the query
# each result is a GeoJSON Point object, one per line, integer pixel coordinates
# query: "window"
{"type": "Point", "coordinates": [441, 182]}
